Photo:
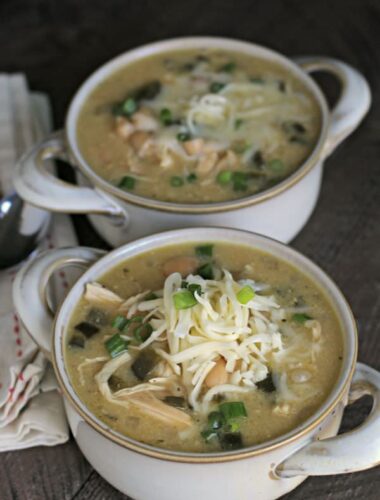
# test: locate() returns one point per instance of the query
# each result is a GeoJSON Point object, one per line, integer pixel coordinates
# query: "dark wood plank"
{"type": "Point", "coordinates": [58, 43]}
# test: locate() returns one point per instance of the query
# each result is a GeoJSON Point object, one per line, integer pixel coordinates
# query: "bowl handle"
{"type": "Point", "coordinates": [349, 452]}
{"type": "Point", "coordinates": [30, 289]}
{"type": "Point", "coordinates": [353, 103]}
{"type": "Point", "coordinates": [39, 187]}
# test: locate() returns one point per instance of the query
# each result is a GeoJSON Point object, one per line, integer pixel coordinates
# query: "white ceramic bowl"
{"type": "Point", "coordinates": [279, 212]}
{"type": "Point", "coordinates": [264, 471]}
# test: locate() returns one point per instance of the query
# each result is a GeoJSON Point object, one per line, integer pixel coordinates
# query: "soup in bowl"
{"type": "Point", "coordinates": [198, 126]}
{"type": "Point", "coordinates": [195, 132]}
{"type": "Point", "coordinates": [220, 357]}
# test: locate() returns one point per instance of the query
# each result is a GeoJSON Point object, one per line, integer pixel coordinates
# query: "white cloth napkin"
{"type": "Point", "coordinates": [31, 408]}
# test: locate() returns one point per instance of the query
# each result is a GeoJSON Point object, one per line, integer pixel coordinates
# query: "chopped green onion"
{"type": "Point", "coordinates": [232, 410]}
{"type": "Point", "coordinates": [240, 186]}
{"type": "Point", "coordinates": [183, 136]}
{"type": "Point", "coordinates": [176, 181]}
{"type": "Point", "coordinates": [191, 177]}
{"type": "Point", "coordinates": [143, 332]}
{"type": "Point", "coordinates": [120, 322]}
{"type": "Point", "coordinates": [116, 345]}
{"type": "Point", "coordinates": [245, 294]}
{"type": "Point", "coordinates": [238, 123]}
{"type": "Point", "coordinates": [277, 166]}
{"type": "Point", "coordinates": [204, 250]}
{"type": "Point", "coordinates": [150, 296]}
{"type": "Point", "coordinates": [208, 435]}
{"type": "Point", "coordinates": [129, 106]}
{"type": "Point", "coordinates": [127, 182]}
{"type": "Point", "coordinates": [166, 116]}
{"type": "Point", "coordinates": [184, 300]}
{"type": "Point", "coordinates": [301, 318]}
{"type": "Point", "coordinates": [194, 287]}
{"type": "Point", "coordinates": [224, 177]}
{"type": "Point", "coordinates": [216, 87]}
{"type": "Point", "coordinates": [206, 271]}
{"type": "Point", "coordinates": [216, 420]}
{"type": "Point", "coordinates": [229, 67]}
{"type": "Point", "coordinates": [231, 441]}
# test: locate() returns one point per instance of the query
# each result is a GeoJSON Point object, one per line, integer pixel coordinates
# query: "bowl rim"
{"type": "Point", "coordinates": [183, 43]}
{"type": "Point", "coordinates": [207, 234]}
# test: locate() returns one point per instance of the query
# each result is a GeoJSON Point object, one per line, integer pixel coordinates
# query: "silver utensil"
{"type": "Point", "coordinates": [22, 228]}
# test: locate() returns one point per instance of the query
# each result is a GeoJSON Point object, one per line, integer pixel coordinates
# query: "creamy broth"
{"type": "Point", "coordinates": [284, 385]}
{"type": "Point", "coordinates": [198, 126]}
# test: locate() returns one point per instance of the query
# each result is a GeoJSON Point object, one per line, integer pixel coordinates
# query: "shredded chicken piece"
{"type": "Point", "coordinates": [206, 163]}
{"type": "Point", "coordinates": [98, 295]}
{"type": "Point", "coordinates": [228, 161]}
{"type": "Point", "coordinates": [194, 146]}
{"type": "Point", "coordinates": [143, 120]}
{"type": "Point", "coordinates": [155, 408]}
{"type": "Point", "coordinates": [138, 139]}
{"type": "Point", "coordinates": [124, 128]}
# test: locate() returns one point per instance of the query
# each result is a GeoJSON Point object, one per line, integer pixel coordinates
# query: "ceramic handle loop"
{"type": "Point", "coordinates": [39, 187]}
{"type": "Point", "coordinates": [350, 452]}
{"type": "Point", "coordinates": [353, 103]}
{"type": "Point", "coordinates": [30, 289]}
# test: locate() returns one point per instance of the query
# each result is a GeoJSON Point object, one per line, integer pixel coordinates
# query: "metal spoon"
{"type": "Point", "coordinates": [22, 227]}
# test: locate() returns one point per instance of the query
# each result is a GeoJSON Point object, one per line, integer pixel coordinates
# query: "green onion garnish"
{"type": "Point", "coordinates": [216, 87]}
{"type": "Point", "coordinates": [238, 123]}
{"type": "Point", "coordinates": [206, 271]}
{"type": "Point", "coordinates": [204, 250]}
{"type": "Point", "coordinates": [143, 332]}
{"type": "Point", "coordinates": [191, 177]}
{"type": "Point", "coordinates": [208, 435]}
{"type": "Point", "coordinates": [129, 106]}
{"type": "Point", "coordinates": [245, 294]}
{"type": "Point", "coordinates": [240, 186]}
{"type": "Point", "coordinates": [229, 67]}
{"type": "Point", "coordinates": [194, 287]}
{"type": "Point", "coordinates": [224, 177]}
{"type": "Point", "coordinates": [216, 420]}
{"type": "Point", "coordinates": [301, 318]}
{"type": "Point", "coordinates": [127, 182]}
{"type": "Point", "coordinates": [120, 322]}
{"type": "Point", "coordinates": [232, 410]}
{"type": "Point", "coordinates": [277, 166]}
{"type": "Point", "coordinates": [184, 300]}
{"type": "Point", "coordinates": [183, 136]}
{"type": "Point", "coordinates": [116, 345]}
{"type": "Point", "coordinates": [166, 116]}
{"type": "Point", "coordinates": [176, 181]}
{"type": "Point", "coordinates": [231, 441]}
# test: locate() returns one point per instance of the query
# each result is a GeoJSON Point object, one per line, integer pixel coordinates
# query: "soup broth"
{"type": "Point", "coordinates": [198, 126]}
{"type": "Point", "coordinates": [203, 348]}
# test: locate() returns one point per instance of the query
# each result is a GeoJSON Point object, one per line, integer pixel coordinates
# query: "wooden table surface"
{"type": "Point", "coordinates": [58, 43]}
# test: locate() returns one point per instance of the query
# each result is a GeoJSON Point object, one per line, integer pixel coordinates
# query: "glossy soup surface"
{"type": "Point", "coordinates": [284, 382]}
{"type": "Point", "coordinates": [198, 126]}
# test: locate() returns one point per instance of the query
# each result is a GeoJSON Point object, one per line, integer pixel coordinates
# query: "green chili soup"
{"type": "Point", "coordinates": [203, 348]}
{"type": "Point", "coordinates": [198, 126]}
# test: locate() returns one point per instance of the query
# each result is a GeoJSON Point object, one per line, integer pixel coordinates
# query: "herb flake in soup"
{"type": "Point", "coordinates": [198, 126]}
{"type": "Point", "coordinates": [203, 364]}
